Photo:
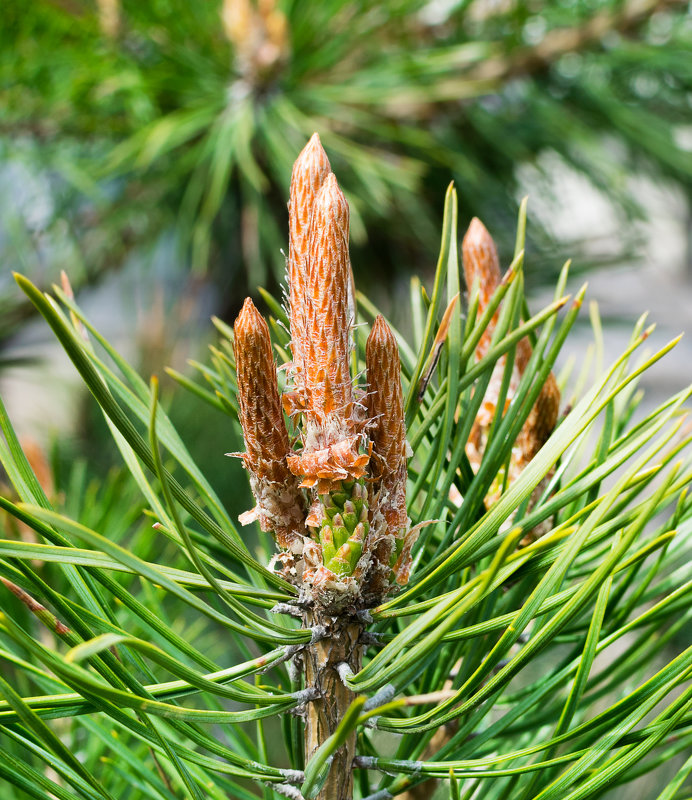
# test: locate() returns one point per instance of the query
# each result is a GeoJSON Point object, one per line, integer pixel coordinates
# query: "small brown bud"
{"type": "Point", "coordinates": [309, 173]}
{"type": "Point", "coordinates": [264, 430]}
{"type": "Point", "coordinates": [481, 262]}
{"type": "Point", "coordinates": [385, 398]}
{"type": "Point", "coordinates": [385, 404]}
{"type": "Point", "coordinates": [541, 420]}
{"type": "Point", "coordinates": [261, 417]}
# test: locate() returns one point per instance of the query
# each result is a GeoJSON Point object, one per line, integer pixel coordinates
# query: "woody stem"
{"type": "Point", "coordinates": [340, 645]}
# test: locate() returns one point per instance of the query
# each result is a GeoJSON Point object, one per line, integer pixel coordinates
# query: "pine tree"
{"type": "Point", "coordinates": [145, 119]}
{"type": "Point", "coordinates": [456, 547]}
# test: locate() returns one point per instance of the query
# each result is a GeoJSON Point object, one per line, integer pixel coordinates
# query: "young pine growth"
{"type": "Point", "coordinates": [481, 264]}
{"type": "Point", "coordinates": [350, 540]}
{"type": "Point", "coordinates": [482, 269]}
{"type": "Point", "coordinates": [309, 173]}
{"type": "Point", "coordinates": [279, 500]}
{"type": "Point", "coordinates": [346, 543]}
{"type": "Point", "coordinates": [501, 609]}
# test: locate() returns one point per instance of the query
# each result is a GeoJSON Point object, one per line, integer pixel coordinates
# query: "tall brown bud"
{"type": "Point", "coordinates": [326, 354]}
{"type": "Point", "coordinates": [264, 430]}
{"type": "Point", "coordinates": [309, 173]}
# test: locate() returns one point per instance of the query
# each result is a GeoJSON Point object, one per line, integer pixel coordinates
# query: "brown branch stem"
{"type": "Point", "coordinates": [559, 41]}
{"type": "Point", "coordinates": [340, 645]}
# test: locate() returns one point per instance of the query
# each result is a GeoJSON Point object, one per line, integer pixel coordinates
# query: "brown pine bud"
{"type": "Point", "coordinates": [261, 417]}
{"type": "Point", "coordinates": [385, 405]}
{"type": "Point", "coordinates": [266, 439]}
{"type": "Point", "coordinates": [309, 173]}
{"type": "Point", "coordinates": [326, 343]}
{"type": "Point", "coordinates": [482, 264]}
{"type": "Point", "coordinates": [385, 399]}
{"type": "Point", "coordinates": [333, 444]}
{"type": "Point", "coordinates": [481, 261]}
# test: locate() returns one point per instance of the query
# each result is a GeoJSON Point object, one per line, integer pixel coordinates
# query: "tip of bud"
{"type": "Point", "coordinates": [312, 157]}
{"type": "Point", "coordinates": [480, 258]}
{"type": "Point", "coordinates": [330, 199]}
{"type": "Point", "coordinates": [476, 232]}
{"type": "Point", "coordinates": [66, 285]}
{"type": "Point", "coordinates": [248, 319]}
{"type": "Point", "coordinates": [247, 311]}
{"type": "Point", "coordinates": [314, 146]}
{"type": "Point", "coordinates": [380, 331]}
{"type": "Point", "coordinates": [381, 352]}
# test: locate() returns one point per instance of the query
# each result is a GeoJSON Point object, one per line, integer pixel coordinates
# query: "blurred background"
{"type": "Point", "coordinates": [146, 148]}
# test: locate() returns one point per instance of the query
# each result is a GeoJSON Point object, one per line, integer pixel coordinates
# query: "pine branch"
{"type": "Point", "coordinates": [624, 20]}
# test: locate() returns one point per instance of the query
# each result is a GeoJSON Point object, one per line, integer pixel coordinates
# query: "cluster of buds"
{"type": "Point", "coordinates": [482, 265]}
{"type": "Point", "coordinates": [334, 494]}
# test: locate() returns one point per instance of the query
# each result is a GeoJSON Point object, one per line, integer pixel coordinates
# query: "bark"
{"type": "Point", "coordinates": [340, 645]}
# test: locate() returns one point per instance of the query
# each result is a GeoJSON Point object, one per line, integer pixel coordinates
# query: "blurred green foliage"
{"type": "Point", "coordinates": [143, 656]}
{"type": "Point", "coordinates": [168, 115]}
